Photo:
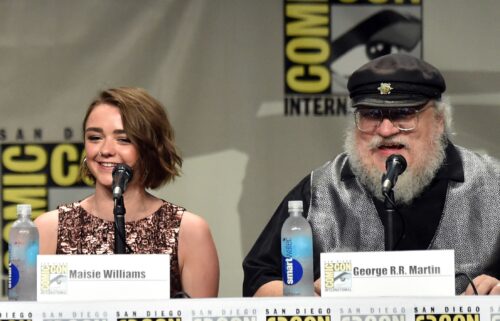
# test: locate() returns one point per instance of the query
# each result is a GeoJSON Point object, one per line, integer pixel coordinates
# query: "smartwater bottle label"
{"type": "Point", "coordinates": [31, 253]}
{"type": "Point", "coordinates": [297, 247]}
{"type": "Point", "coordinates": [13, 276]}
{"type": "Point", "coordinates": [292, 250]}
{"type": "Point", "coordinates": [292, 270]}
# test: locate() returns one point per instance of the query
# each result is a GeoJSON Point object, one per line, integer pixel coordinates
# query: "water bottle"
{"type": "Point", "coordinates": [297, 253]}
{"type": "Point", "coordinates": [23, 249]}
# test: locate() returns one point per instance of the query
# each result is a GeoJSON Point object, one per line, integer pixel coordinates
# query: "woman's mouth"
{"type": "Point", "coordinates": [107, 164]}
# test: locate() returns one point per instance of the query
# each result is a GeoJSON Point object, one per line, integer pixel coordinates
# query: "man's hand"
{"type": "Point", "coordinates": [275, 288]}
{"type": "Point", "coordinates": [485, 285]}
{"type": "Point", "coordinates": [317, 287]}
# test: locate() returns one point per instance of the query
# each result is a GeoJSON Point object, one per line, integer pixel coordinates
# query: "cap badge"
{"type": "Point", "coordinates": [385, 88]}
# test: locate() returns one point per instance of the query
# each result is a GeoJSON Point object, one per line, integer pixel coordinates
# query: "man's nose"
{"type": "Point", "coordinates": [387, 128]}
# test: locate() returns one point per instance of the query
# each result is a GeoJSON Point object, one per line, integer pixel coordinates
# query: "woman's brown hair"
{"type": "Point", "coordinates": [148, 128]}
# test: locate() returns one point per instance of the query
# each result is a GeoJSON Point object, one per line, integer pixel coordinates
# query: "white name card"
{"type": "Point", "coordinates": [103, 277]}
{"type": "Point", "coordinates": [398, 273]}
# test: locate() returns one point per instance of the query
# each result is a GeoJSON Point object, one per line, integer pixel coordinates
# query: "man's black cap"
{"type": "Point", "coordinates": [395, 80]}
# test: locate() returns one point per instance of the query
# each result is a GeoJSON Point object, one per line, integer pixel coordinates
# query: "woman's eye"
{"type": "Point", "coordinates": [93, 137]}
{"type": "Point", "coordinates": [124, 140]}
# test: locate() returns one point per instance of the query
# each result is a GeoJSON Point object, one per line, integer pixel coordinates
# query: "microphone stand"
{"type": "Point", "coordinates": [119, 213]}
{"type": "Point", "coordinates": [390, 211]}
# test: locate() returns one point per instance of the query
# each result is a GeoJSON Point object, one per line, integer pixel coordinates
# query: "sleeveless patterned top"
{"type": "Point", "coordinates": [80, 232]}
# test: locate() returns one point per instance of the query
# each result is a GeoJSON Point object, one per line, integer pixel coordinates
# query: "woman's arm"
{"type": "Point", "coordinates": [47, 228]}
{"type": "Point", "coordinates": [198, 261]}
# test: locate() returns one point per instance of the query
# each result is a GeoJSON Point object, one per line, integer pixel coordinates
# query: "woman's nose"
{"type": "Point", "coordinates": [107, 148]}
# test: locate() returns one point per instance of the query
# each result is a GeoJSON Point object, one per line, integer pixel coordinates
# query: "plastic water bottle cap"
{"type": "Point", "coordinates": [295, 205]}
{"type": "Point", "coordinates": [24, 209]}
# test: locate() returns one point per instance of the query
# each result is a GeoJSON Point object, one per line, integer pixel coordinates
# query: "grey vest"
{"type": "Point", "coordinates": [343, 216]}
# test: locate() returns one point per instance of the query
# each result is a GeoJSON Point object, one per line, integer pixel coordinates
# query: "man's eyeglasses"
{"type": "Point", "coordinates": [404, 118]}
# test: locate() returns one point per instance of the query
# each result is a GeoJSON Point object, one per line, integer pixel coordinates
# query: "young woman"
{"type": "Point", "coordinates": [128, 126]}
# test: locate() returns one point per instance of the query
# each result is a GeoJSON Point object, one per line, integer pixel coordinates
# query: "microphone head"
{"type": "Point", "coordinates": [395, 166]}
{"type": "Point", "coordinates": [122, 174]}
{"type": "Point", "coordinates": [396, 160]}
{"type": "Point", "coordinates": [123, 168]}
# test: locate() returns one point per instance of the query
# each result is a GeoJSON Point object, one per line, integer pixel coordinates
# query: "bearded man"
{"type": "Point", "coordinates": [448, 197]}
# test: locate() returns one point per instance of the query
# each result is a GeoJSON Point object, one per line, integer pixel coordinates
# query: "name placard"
{"type": "Point", "coordinates": [398, 273]}
{"type": "Point", "coordinates": [103, 277]}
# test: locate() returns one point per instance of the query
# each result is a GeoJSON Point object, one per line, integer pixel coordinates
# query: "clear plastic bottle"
{"type": "Point", "coordinates": [23, 249]}
{"type": "Point", "coordinates": [297, 253]}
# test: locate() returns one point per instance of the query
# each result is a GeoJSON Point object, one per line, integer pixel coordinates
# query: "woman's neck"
{"type": "Point", "coordinates": [138, 203]}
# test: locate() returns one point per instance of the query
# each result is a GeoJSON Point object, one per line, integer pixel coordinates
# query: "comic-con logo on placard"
{"type": "Point", "coordinates": [449, 313]}
{"type": "Point", "coordinates": [338, 276]}
{"type": "Point", "coordinates": [448, 317]}
{"type": "Point", "coordinates": [54, 278]}
{"type": "Point", "coordinates": [326, 40]}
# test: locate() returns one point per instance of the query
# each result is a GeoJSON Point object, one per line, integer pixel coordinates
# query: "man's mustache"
{"type": "Point", "coordinates": [377, 142]}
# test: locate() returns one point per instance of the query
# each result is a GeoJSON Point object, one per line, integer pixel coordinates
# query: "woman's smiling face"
{"type": "Point", "coordinates": [107, 144]}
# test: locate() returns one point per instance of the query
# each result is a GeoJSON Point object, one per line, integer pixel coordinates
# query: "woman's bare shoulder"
{"type": "Point", "coordinates": [48, 218]}
{"type": "Point", "coordinates": [193, 223]}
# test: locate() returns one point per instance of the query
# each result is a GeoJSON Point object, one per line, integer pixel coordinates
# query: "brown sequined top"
{"type": "Point", "coordinates": [80, 232]}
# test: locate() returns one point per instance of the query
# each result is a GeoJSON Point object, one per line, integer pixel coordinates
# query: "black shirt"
{"type": "Point", "coordinates": [416, 223]}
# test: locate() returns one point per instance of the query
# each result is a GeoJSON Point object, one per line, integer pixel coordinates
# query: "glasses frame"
{"type": "Point", "coordinates": [388, 116]}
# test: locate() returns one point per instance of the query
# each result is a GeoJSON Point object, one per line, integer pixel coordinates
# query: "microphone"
{"type": "Point", "coordinates": [122, 174]}
{"type": "Point", "coordinates": [395, 166]}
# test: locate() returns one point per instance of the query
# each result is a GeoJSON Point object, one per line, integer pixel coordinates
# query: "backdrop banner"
{"type": "Point", "coordinates": [255, 91]}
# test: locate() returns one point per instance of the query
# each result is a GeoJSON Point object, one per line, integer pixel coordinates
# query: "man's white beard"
{"type": "Point", "coordinates": [412, 182]}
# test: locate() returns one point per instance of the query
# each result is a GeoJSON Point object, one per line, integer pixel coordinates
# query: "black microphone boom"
{"type": "Point", "coordinates": [122, 174]}
{"type": "Point", "coordinates": [395, 166]}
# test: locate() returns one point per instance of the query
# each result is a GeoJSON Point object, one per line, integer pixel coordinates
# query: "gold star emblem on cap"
{"type": "Point", "coordinates": [385, 88]}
